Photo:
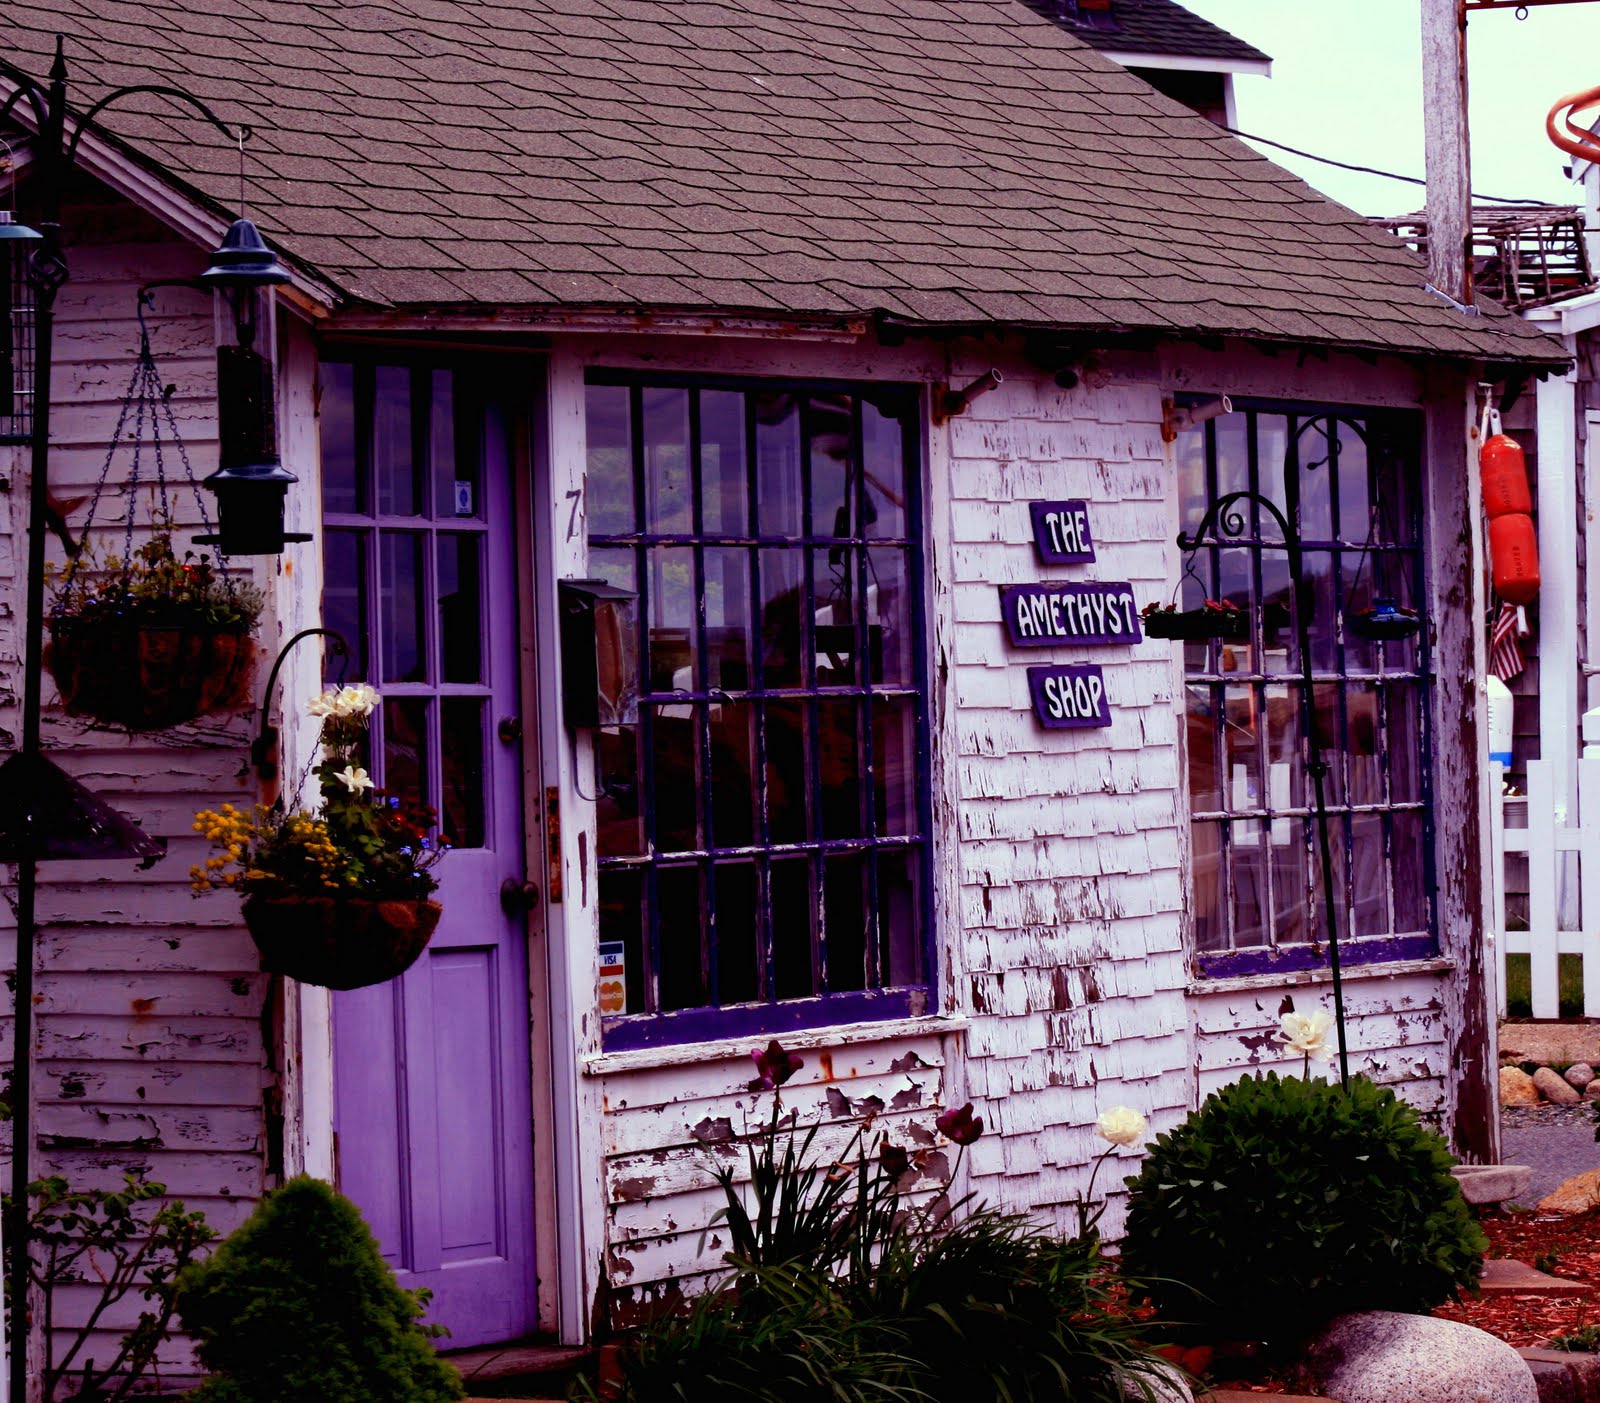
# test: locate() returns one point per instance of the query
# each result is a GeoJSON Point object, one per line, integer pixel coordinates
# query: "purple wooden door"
{"type": "Point", "coordinates": [432, 1101]}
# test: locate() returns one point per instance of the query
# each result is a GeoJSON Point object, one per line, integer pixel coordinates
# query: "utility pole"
{"type": "Point", "coordinates": [1449, 163]}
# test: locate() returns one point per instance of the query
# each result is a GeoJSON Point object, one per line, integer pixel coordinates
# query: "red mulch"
{"type": "Point", "coordinates": [1572, 1242]}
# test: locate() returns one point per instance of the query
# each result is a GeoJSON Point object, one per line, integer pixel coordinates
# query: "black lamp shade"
{"type": "Point", "coordinates": [244, 260]}
{"type": "Point", "coordinates": [250, 502]}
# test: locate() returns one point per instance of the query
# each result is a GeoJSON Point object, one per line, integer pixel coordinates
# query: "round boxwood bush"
{"type": "Point", "coordinates": [1282, 1202]}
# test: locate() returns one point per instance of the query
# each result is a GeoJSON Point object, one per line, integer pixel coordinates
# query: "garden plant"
{"type": "Point", "coordinates": [299, 1304]}
{"type": "Point", "coordinates": [844, 1280]}
{"type": "Point", "coordinates": [1284, 1201]}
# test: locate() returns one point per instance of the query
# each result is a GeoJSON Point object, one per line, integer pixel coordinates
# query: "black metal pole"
{"type": "Point", "coordinates": [1224, 520]}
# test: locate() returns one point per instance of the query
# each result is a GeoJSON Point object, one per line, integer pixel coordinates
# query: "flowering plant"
{"type": "Point", "coordinates": [153, 586]}
{"type": "Point", "coordinates": [1307, 1034]}
{"type": "Point", "coordinates": [1216, 606]}
{"type": "Point", "coordinates": [362, 842]}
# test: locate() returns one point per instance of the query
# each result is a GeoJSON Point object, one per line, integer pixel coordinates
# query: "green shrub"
{"type": "Point", "coordinates": [1281, 1202]}
{"type": "Point", "coordinates": [298, 1304]}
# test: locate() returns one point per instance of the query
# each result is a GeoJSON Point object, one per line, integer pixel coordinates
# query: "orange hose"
{"type": "Point", "coordinates": [1575, 140]}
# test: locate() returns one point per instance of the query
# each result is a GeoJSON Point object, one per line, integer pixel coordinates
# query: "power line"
{"type": "Point", "coordinates": [1367, 170]}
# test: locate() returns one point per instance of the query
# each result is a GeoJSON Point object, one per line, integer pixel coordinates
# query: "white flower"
{"type": "Point", "coordinates": [1121, 1125]}
{"type": "Point", "coordinates": [321, 704]}
{"type": "Point", "coordinates": [354, 778]}
{"type": "Point", "coordinates": [359, 700]}
{"type": "Point", "coordinates": [1307, 1034]}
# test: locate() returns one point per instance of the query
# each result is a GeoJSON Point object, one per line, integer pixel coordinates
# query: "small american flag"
{"type": "Point", "coordinates": [1505, 642]}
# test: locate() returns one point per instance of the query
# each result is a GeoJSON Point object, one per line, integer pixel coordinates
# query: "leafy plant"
{"type": "Point", "coordinates": [1584, 1340]}
{"type": "Point", "coordinates": [845, 1284]}
{"type": "Point", "coordinates": [1281, 1202]}
{"type": "Point", "coordinates": [362, 842]}
{"type": "Point", "coordinates": [153, 586]}
{"type": "Point", "coordinates": [126, 1241]}
{"type": "Point", "coordinates": [299, 1304]}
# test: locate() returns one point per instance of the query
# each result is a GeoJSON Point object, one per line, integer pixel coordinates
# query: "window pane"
{"type": "Point", "coordinates": [739, 957]}
{"type": "Point", "coordinates": [894, 766]}
{"type": "Point", "coordinates": [672, 619]}
{"type": "Point", "coordinates": [890, 642]}
{"type": "Point", "coordinates": [1361, 717]}
{"type": "Point", "coordinates": [1410, 872]}
{"type": "Point", "coordinates": [784, 631]}
{"type": "Point", "coordinates": [839, 759]}
{"type": "Point", "coordinates": [883, 455]}
{"type": "Point", "coordinates": [681, 912]}
{"type": "Point", "coordinates": [460, 592]}
{"type": "Point", "coordinates": [833, 485]}
{"type": "Point", "coordinates": [794, 914]}
{"type": "Point", "coordinates": [1210, 926]}
{"type": "Point", "coordinates": [1205, 785]}
{"type": "Point", "coordinates": [730, 627]}
{"type": "Point", "coordinates": [621, 919]}
{"type": "Point", "coordinates": [393, 457]}
{"type": "Point", "coordinates": [1369, 871]}
{"type": "Point", "coordinates": [405, 748]}
{"type": "Point", "coordinates": [462, 757]}
{"type": "Point", "coordinates": [778, 487]}
{"type": "Point", "coordinates": [724, 475]}
{"type": "Point", "coordinates": [400, 595]}
{"type": "Point", "coordinates": [1405, 742]}
{"type": "Point", "coordinates": [675, 773]}
{"type": "Point", "coordinates": [788, 772]}
{"type": "Point", "coordinates": [619, 821]}
{"type": "Point", "coordinates": [336, 422]}
{"type": "Point", "coordinates": [1241, 757]}
{"type": "Point", "coordinates": [1355, 500]}
{"type": "Point", "coordinates": [1285, 757]}
{"type": "Point", "coordinates": [608, 499]}
{"type": "Point", "coordinates": [734, 822]}
{"type": "Point", "coordinates": [1291, 877]}
{"type": "Point", "coordinates": [344, 602]}
{"type": "Point", "coordinates": [455, 447]}
{"type": "Point", "coordinates": [899, 916]}
{"type": "Point", "coordinates": [669, 500]}
{"type": "Point", "coordinates": [846, 899]}
{"type": "Point", "coordinates": [834, 581]}
{"type": "Point", "coordinates": [1247, 875]}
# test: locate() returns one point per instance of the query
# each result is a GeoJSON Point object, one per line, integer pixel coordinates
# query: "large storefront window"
{"type": "Point", "coordinates": [1349, 480]}
{"type": "Point", "coordinates": [763, 829]}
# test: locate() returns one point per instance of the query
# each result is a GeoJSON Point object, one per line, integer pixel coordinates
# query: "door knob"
{"type": "Point", "coordinates": [518, 898]}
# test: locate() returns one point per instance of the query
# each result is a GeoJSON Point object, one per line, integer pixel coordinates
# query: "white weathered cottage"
{"type": "Point", "coordinates": [876, 349]}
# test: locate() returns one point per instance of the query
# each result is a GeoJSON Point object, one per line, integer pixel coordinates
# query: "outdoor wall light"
{"type": "Point", "coordinates": [947, 403]}
{"type": "Point", "coordinates": [251, 482]}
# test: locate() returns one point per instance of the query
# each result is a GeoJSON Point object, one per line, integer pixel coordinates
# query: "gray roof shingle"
{"type": "Point", "coordinates": [923, 159]}
{"type": "Point", "coordinates": [1148, 27]}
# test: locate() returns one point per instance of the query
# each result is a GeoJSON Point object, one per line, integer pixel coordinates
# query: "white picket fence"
{"type": "Point", "coordinates": [1563, 891]}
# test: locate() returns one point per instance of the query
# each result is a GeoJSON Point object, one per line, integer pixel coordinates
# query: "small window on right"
{"type": "Point", "coordinates": [1347, 482]}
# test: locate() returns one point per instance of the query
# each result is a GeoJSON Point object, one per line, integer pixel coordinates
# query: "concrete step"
{"type": "Point", "coordinates": [520, 1369]}
{"type": "Point", "coordinates": [1504, 1276]}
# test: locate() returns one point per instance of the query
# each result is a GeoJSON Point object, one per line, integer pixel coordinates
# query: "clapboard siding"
{"type": "Point", "coordinates": [149, 1033]}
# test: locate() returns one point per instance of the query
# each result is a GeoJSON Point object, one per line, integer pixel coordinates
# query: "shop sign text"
{"type": "Point", "coordinates": [1069, 696]}
{"type": "Point", "coordinates": [1061, 532]}
{"type": "Point", "coordinates": [1042, 616]}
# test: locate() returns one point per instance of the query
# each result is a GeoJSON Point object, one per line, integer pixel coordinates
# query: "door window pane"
{"type": "Point", "coordinates": [461, 748]}
{"type": "Point", "coordinates": [461, 615]}
{"type": "Point", "coordinates": [400, 593]}
{"type": "Point", "coordinates": [344, 602]}
{"type": "Point", "coordinates": [393, 451]}
{"type": "Point", "coordinates": [336, 422]}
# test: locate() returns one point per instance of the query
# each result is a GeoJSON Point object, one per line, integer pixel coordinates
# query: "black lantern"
{"type": "Point", "coordinates": [17, 305]}
{"type": "Point", "coordinates": [250, 482]}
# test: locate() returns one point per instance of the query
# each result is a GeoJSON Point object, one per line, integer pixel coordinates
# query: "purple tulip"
{"type": "Point", "coordinates": [960, 1126]}
{"type": "Point", "coordinates": [774, 1066]}
{"type": "Point", "coordinates": [894, 1160]}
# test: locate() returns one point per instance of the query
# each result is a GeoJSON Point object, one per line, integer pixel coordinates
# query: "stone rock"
{"type": "Point", "coordinates": [1592, 1091]}
{"type": "Point", "coordinates": [1555, 1087]}
{"type": "Point", "coordinates": [1161, 1382]}
{"type": "Point", "coordinates": [1579, 1074]}
{"type": "Point", "coordinates": [1517, 1088]}
{"type": "Point", "coordinates": [1578, 1194]}
{"type": "Point", "coordinates": [1381, 1356]}
{"type": "Point", "coordinates": [1492, 1183]}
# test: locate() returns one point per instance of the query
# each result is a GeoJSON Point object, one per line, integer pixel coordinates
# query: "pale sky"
{"type": "Point", "coordinates": [1346, 83]}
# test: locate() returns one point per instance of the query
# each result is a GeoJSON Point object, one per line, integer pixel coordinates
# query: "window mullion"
{"type": "Point", "coordinates": [647, 753]}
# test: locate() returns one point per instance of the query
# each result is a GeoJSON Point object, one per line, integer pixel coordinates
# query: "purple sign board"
{"type": "Point", "coordinates": [1043, 616]}
{"type": "Point", "coordinates": [1061, 532]}
{"type": "Point", "coordinates": [1068, 696]}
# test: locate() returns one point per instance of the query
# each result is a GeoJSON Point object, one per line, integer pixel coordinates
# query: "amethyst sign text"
{"type": "Point", "coordinates": [1041, 616]}
{"type": "Point", "coordinates": [1069, 695]}
{"type": "Point", "coordinates": [1061, 532]}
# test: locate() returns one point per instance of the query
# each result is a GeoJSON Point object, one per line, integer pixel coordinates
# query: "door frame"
{"type": "Point", "coordinates": [307, 1081]}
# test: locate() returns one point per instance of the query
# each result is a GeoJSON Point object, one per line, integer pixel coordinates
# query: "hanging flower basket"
{"type": "Point", "coordinates": [339, 942]}
{"type": "Point", "coordinates": [1385, 622]}
{"type": "Point", "coordinates": [1214, 619]}
{"type": "Point", "coordinates": [146, 676]}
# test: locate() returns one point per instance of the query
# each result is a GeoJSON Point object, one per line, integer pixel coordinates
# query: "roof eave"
{"type": "Point", "coordinates": [1190, 63]}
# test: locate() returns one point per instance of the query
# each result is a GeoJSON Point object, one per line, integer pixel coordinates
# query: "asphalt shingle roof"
{"type": "Point", "coordinates": [1148, 27]}
{"type": "Point", "coordinates": [941, 161]}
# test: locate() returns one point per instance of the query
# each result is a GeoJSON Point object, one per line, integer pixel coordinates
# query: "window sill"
{"type": "Point", "coordinates": [603, 1064]}
{"type": "Point", "coordinates": [1243, 983]}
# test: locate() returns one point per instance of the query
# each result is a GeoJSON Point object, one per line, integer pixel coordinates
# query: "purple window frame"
{"type": "Point", "coordinates": [1401, 547]}
{"type": "Point", "coordinates": [768, 1014]}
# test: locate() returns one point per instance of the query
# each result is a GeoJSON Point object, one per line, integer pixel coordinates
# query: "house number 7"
{"type": "Point", "coordinates": [575, 496]}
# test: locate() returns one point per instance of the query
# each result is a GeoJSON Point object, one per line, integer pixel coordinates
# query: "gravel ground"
{"type": "Point", "coordinates": [1556, 1142]}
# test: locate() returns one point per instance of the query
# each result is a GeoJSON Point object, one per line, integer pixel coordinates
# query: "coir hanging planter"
{"type": "Point", "coordinates": [1214, 619]}
{"type": "Point", "coordinates": [339, 942]}
{"type": "Point", "coordinates": [147, 639]}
